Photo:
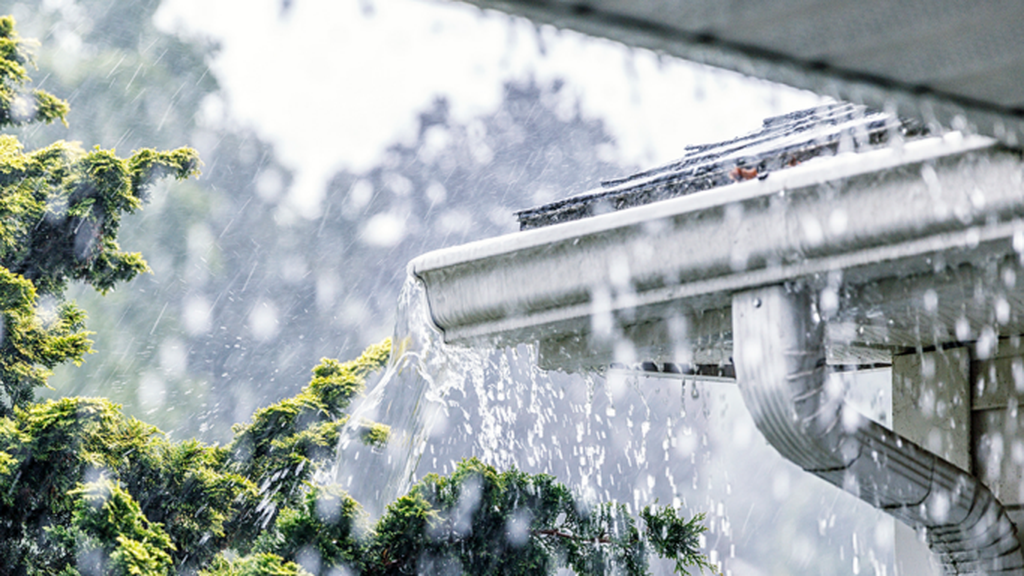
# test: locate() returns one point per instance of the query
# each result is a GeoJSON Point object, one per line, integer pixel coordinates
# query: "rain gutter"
{"type": "Point", "coordinates": [870, 215]}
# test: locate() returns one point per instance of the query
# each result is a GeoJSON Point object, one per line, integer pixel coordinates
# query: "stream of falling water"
{"type": "Point", "coordinates": [408, 398]}
{"type": "Point", "coordinates": [623, 437]}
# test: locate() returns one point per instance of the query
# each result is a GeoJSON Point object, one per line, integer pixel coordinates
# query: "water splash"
{"type": "Point", "coordinates": [410, 398]}
{"type": "Point", "coordinates": [445, 402]}
{"type": "Point", "coordinates": [618, 436]}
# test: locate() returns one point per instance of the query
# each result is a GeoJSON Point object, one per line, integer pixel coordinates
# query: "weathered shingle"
{"type": "Point", "coordinates": [783, 141]}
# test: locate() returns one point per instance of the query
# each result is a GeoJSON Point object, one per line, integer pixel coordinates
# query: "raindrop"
{"type": "Point", "coordinates": [987, 342]}
{"type": "Point", "coordinates": [1002, 311]}
{"type": "Point", "coordinates": [812, 230]}
{"type": "Point", "coordinates": [359, 195]}
{"type": "Point", "coordinates": [173, 357]}
{"type": "Point", "coordinates": [838, 221]}
{"type": "Point", "coordinates": [196, 315]}
{"type": "Point", "coordinates": [829, 302]}
{"type": "Point", "coordinates": [269, 184]}
{"type": "Point", "coordinates": [436, 193]}
{"type": "Point", "coordinates": [384, 230]}
{"type": "Point", "coordinates": [152, 392]}
{"type": "Point", "coordinates": [963, 329]}
{"type": "Point", "coordinates": [1009, 277]}
{"type": "Point", "coordinates": [938, 507]}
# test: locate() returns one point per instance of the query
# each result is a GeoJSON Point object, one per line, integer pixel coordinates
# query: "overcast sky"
{"type": "Point", "coordinates": [332, 82]}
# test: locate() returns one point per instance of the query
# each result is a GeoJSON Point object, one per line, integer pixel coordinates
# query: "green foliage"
{"type": "Point", "coordinates": [279, 447]}
{"type": "Point", "coordinates": [34, 340]}
{"type": "Point", "coordinates": [675, 537]}
{"type": "Point", "coordinates": [101, 488]}
{"type": "Point", "coordinates": [477, 521]}
{"type": "Point", "coordinates": [335, 384]}
{"type": "Point", "coordinates": [17, 105]}
{"type": "Point", "coordinates": [60, 212]}
{"type": "Point", "coordinates": [85, 489]}
{"type": "Point", "coordinates": [374, 434]}
{"type": "Point", "coordinates": [485, 522]}
{"type": "Point", "coordinates": [327, 523]}
{"type": "Point", "coordinates": [481, 521]}
{"type": "Point", "coordinates": [52, 450]}
{"type": "Point", "coordinates": [262, 564]}
{"type": "Point", "coordinates": [88, 489]}
{"type": "Point", "coordinates": [108, 527]}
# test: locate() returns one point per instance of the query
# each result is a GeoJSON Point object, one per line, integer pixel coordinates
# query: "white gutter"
{"type": "Point", "coordinates": [873, 215]}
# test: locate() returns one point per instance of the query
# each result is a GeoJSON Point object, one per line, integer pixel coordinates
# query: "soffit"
{"type": "Point", "coordinates": [954, 63]}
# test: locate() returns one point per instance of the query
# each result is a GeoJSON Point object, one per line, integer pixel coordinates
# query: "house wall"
{"type": "Point", "coordinates": [931, 407]}
{"type": "Point", "coordinates": [965, 409]}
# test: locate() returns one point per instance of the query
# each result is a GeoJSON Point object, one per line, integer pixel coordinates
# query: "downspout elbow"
{"type": "Point", "coordinates": [779, 354]}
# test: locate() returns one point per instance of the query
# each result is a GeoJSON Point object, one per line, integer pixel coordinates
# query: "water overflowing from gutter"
{"type": "Point", "coordinates": [617, 436]}
{"type": "Point", "coordinates": [443, 403]}
{"type": "Point", "coordinates": [408, 398]}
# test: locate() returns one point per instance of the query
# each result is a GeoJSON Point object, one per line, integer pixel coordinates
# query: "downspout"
{"type": "Point", "coordinates": [779, 353]}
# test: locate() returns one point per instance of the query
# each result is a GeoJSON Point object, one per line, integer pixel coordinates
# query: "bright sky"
{"type": "Point", "coordinates": [333, 82]}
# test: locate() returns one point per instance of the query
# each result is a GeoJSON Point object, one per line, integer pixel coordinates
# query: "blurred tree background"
{"type": "Point", "coordinates": [245, 295]}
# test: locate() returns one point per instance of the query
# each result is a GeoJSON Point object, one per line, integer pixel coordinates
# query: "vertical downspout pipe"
{"type": "Point", "coordinates": [779, 352]}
